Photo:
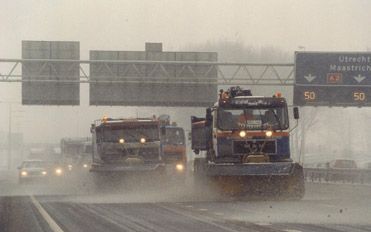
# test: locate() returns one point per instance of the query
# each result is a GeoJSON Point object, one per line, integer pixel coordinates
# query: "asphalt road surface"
{"type": "Point", "coordinates": [325, 207]}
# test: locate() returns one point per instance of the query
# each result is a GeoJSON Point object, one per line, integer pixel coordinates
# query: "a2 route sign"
{"type": "Point", "coordinates": [332, 79]}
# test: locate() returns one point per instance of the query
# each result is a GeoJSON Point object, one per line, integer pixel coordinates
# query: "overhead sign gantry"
{"type": "Point", "coordinates": [332, 79]}
{"type": "Point", "coordinates": [51, 72]}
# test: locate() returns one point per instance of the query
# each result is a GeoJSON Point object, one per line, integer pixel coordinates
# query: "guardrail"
{"type": "Point", "coordinates": [343, 175]}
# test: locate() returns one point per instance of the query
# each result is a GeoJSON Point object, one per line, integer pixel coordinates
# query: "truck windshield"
{"type": "Point", "coordinates": [275, 118]}
{"type": "Point", "coordinates": [175, 136]}
{"type": "Point", "coordinates": [129, 134]}
{"type": "Point", "coordinates": [34, 164]}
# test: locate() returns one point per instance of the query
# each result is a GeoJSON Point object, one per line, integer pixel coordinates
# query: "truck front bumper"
{"type": "Point", "coordinates": [119, 168]}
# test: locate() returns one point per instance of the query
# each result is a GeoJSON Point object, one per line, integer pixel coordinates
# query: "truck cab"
{"type": "Point", "coordinates": [173, 147]}
{"type": "Point", "coordinates": [126, 145]}
{"type": "Point", "coordinates": [76, 153]}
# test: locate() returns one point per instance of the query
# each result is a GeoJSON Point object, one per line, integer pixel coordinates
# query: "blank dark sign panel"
{"type": "Point", "coordinates": [50, 83]}
{"type": "Point", "coordinates": [153, 84]}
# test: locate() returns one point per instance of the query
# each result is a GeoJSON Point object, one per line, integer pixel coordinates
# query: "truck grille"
{"type": "Point", "coordinates": [34, 173]}
{"type": "Point", "coordinates": [254, 146]}
{"type": "Point", "coordinates": [145, 153]}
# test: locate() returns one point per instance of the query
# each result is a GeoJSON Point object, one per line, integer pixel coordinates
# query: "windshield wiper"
{"type": "Point", "coordinates": [260, 116]}
{"type": "Point", "coordinates": [277, 119]}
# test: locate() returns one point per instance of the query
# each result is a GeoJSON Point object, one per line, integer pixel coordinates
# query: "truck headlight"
{"type": "Point", "coordinates": [85, 165]}
{"type": "Point", "coordinates": [24, 173]}
{"type": "Point", "coordinates": [269, 133]}
{"type": "Point", "coordinates": [142, 140]}
{"type": "Point", "coordinates": [44, 173]}
{"type": "Point", "coordinates": [69, 167]}
{"type": "Point", "coordinates": [122, 141]}
{"type": "Point", "coordinates": [242, 134]}
{"type": "Point", "coordinates": [58, 171]}
{"type": "Point", "coordinates": [179, 167]}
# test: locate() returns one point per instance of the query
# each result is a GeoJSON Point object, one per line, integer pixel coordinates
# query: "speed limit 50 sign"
{"type": "Point", "coordinates": [332, 79]}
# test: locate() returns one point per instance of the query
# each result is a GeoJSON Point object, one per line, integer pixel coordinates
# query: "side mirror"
{"type": "Point", "coordinates": [296, 112]}
{"type": "Point", "coordinates": [92, 128]}
{"type": "Point", "coordinates": [19, 167]}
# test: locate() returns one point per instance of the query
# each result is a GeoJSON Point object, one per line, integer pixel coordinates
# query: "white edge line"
{"type": "Point", "coordinates": [53, 225]}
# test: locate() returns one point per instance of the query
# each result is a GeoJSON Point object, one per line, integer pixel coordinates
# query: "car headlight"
{"type": "Point", "coordinates": [85, 165]}
{"type": "Point", "coordinates": [122, 141]}
{"type": "Point", "coordinates": [142, 140]}
{"type": "Point", "coordinates": [269, 133]}
{"type": "Point", "coordinates": [242, 134]}
{"type": "Point", "coordinates": [58, 171]}
{"type": "Point", "coordinates": [24, 173]}
{"type": "Point", "coordinates": [44, 173]}
{"type": "Point", "coordinates": [179, 167]}
{"type": "Point", "coordinates": [69, 167]}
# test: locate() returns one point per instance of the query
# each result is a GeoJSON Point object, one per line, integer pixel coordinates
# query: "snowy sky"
{"type": "Point", "coordinates": [126, 25]}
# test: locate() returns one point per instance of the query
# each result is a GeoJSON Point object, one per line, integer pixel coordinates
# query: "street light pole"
{"type": "Point", "coordinates": [10, 137]}
{"type": "Point", "coordinates": [9, 158]}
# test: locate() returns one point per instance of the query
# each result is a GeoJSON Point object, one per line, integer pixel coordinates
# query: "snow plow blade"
{"type": "Point", "coordinates": [252, 169]}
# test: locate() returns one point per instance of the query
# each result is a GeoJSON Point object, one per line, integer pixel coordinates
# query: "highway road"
{"type": "Point", "coordinates": [325, 207]}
